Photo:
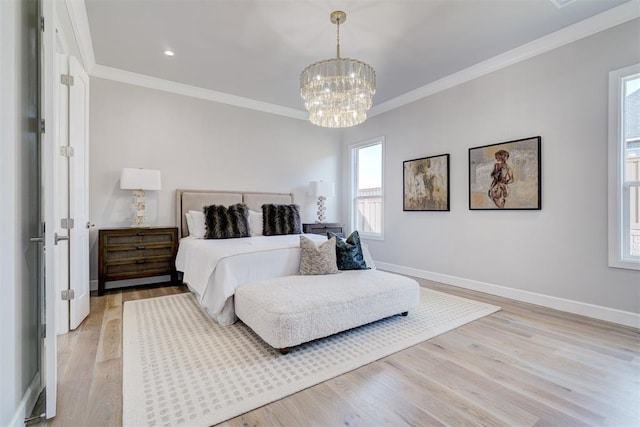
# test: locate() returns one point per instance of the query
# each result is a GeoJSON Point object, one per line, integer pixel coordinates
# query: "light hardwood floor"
{"type": "Point", "coordinates": [523, 366]}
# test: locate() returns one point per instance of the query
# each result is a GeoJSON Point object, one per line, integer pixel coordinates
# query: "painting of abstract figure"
{"type": "Point", "coordinates": [506, 175]}
{"type": "Point", "coordinates": [426, 184]}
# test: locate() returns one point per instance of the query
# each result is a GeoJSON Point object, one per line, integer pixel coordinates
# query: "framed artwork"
{"type": "Point", "coordinates": [506, 176]}
{"type": "Point", "coordinates": [426, 184]}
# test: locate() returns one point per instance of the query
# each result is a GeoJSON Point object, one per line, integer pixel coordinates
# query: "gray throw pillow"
{"type": "Point", "coordinates": [317, 259]}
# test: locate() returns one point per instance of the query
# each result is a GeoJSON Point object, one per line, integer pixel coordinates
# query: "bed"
{"type": "Point", "coordinates": [214, 269]}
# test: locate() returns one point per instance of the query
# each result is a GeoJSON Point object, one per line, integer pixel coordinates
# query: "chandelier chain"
{"type": "Point", "coordinates": [338, 38]}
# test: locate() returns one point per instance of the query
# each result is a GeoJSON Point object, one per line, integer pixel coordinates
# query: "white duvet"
{"type": "Point", "coordinates": [213, 269]}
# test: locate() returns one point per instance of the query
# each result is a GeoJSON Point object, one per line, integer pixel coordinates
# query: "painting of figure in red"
{"type": "Point", "coordinates": [501, 177]}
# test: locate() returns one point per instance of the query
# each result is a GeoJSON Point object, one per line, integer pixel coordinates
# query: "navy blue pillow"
{"type": "Point", "coordinates": [349, 252]}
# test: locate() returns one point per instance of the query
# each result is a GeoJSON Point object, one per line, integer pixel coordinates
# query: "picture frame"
{"type": "Point", "coordinates": [426, 184]}
{"type": "Point", "coordinates": [506, 175]}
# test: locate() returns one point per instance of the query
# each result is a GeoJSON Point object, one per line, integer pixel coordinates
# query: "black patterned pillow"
{"type": "Point", "coordinates": [226, 222]}
{"type": "Point", "coordinates": [349, 254]}
{"type": "Point", "coordinates": [281, 219]}
{"type": "Point", "coordinates": [317, 259]}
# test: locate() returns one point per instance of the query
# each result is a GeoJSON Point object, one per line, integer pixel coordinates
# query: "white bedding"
{"type": "Point", "coordinates": [214, 269]}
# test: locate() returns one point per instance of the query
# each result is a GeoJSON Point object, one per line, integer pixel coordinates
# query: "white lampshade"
{"type": "Point", "coordinates": [322, 189]}
{"type": "Point", "coordinates": [140, 179]}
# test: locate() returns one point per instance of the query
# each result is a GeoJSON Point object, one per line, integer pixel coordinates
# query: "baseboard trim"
{"type": "Point", "coordinates": [613, 315]}
{"type": "Point", "coordinates": [28, 401]}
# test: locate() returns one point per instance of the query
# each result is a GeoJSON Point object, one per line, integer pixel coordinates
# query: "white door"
{"type": "Point", "coordinates": [47, 108]}
{"type": "Point", "coordinates": [79, 193]}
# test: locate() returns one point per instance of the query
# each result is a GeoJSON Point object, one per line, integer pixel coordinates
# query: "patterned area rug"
{"type": "Point", "coordinates": [181, 368]}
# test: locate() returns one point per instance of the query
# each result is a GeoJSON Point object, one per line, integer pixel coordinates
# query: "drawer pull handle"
{"type": "Point", "coordinates": [141, 234]}
{"type": "Point", "coordinates": [140, 261]}
{"type": "Point", "coordinates": [141, 247]}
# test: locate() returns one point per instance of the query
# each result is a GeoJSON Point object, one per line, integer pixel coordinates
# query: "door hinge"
{"type": "Point", "coordinates": [44, 330]}
{"type": "Point", "coordinates": [66, 223]}
{"type": "Point", "coordinates": [66, 79]}
{"type": "Point", "coordinates": [68, 294]}
{"type": "Point", "coordinates": [42, 24]}
{"type": "Point", "coordinates": [42, 126]}
{"type": "Point", "coordinates": [67, 151]}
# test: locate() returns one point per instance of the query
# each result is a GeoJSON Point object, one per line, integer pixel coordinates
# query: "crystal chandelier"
{"type": "Point", "coordinates": [338, 92]}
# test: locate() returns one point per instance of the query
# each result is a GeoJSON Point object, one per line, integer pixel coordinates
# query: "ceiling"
{"type": "Point", "coordinates": [256, 49]}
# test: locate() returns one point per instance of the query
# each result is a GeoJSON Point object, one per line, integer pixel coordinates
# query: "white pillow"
{"type": "Point", "coordinates": [255, 223]}
{"type": "Point", "coordinates": [195, 222]}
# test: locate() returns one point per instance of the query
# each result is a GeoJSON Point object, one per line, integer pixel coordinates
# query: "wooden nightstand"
{"type": "Point", "coordinates": [322, 228]}
{"type": "Point", "coordinates": [131, 253]}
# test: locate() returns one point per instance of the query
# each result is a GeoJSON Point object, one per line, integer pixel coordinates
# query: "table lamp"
{"type": "Point", "coordinates": [322, 190]}
{"type": "Point", "coordinates": [139, 180]}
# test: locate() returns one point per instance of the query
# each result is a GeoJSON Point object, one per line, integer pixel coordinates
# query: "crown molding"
{"type": "Point", "coordinates": [194, 91]}
{"type": "Point", "coordinates": [80, 24]}
{"type": "Point", "coordinates": [610, 18]}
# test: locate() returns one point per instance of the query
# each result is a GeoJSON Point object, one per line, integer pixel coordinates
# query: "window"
{"type": "Point", "coordinates": [624, 168]}
{"type": "Point", "coordinates": [367, 189]}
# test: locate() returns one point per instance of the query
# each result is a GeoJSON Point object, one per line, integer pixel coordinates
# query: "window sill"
{"type": "Point", "coordinates": [371, 236]}
{"type": "Point", "coordinates": [625, 264]}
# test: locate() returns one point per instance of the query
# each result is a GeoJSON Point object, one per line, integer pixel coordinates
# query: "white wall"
{"type": "Point", "coordinates": [560, 251]}
{"type": "Point", "coordinates": [198, 144]}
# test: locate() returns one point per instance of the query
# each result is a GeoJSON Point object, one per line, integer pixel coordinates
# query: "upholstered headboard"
{"type": "Point", "coordinates": [195, 200]}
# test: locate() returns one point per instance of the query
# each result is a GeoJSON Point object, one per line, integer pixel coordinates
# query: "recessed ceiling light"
{"type": "Point", "coordinates": [561, 3]}
{"type": "Point", "coordinates": [168, 53]}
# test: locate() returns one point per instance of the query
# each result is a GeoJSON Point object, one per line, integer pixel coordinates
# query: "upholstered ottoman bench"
{"type": "Point", "coordinates": [287, 311]}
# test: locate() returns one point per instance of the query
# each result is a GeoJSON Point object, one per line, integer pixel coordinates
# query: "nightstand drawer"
{"type": "Point", "coordinates": [139, 237]}
{"type": "Point", "coordinates": [322, 228]}
{"type": "Point", "coordinates": [148, 267]}
{"type": "Point", "coordinates": [129, 252]}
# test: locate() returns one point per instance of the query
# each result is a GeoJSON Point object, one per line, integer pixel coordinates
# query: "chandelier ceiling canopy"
{"type": "Point", "coordinates": [338, 92]}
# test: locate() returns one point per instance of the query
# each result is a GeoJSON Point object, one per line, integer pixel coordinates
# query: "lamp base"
{"type": "Point", "coordinates": [321, 210]}
{"type": "Point", "coordinates": [139, 207]}
{"type": "Point", "coordinates": [138, 222]}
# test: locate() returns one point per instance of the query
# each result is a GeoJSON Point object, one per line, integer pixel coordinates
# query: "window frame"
{"type": "Point", "coordinates": [619, 194]}
{"type": "Point", "coordinates": [353, 186]}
